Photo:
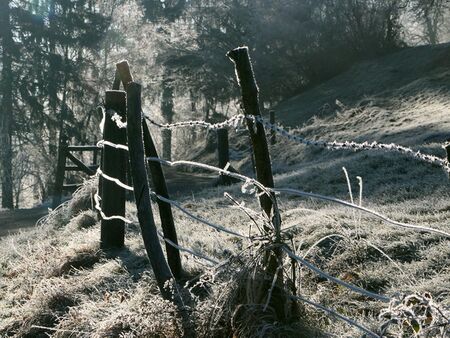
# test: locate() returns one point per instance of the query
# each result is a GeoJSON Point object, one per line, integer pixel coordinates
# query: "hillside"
{"type": "Point", "coordinates": [55, 281]}
{"type": "Point", "coordinates": [411, 73]}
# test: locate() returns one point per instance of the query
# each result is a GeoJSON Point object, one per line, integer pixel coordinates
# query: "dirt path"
{"type": "Point", "coordinates": [12, 221]}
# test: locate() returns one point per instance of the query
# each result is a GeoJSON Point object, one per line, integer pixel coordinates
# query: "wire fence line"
{"type": "Point", "coordinates": [248, 181]}
{"type": "Point", "coordinates": [354, 288]}
{"type": "Point", "coordinates": [252, 186]}
{"type": "Point", "coordinates": [337, 315]}
{"type": "Point", "coordinates": [239, 119]}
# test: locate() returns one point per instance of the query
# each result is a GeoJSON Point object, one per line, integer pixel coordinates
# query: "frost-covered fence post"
{"type": "Point", "coordinates": [122, 74]}
{"type": "Point", "coordinates": [113, 164]}
{"type": "Point", "coordinates": [273, 137]}
{"type": "Point", "coordinates": [141, 189]}
{"type": "Point", "coordinates": [250, 100]}
{"type": "Point", "coordinates": [223, 152]}
{"type": "Point", "coordinates": [159, 182]}
{"type": "Point", "coordinates": [165, 209]}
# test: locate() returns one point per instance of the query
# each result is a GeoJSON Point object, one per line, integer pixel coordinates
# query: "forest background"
{"type": "Point", "coordinates": [57, 58]}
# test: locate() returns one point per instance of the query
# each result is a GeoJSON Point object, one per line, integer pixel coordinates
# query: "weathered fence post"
{"type": "Point", "coordinates": [121, 72]}
{"type": "Point", "coordinates": [113, 196]}
{"type": "Point", "coordinates": [165, 210]}
{"type": "Point", "coordinates": [273, 137]}
{"type": "Point", "coordinates": [250, 100]}
{"type": "Point", "coordinates": [60, 173]}
{"type": "Point", "coordinates": [141, 189]}
{"type": "Point", "coordinates": [223, 153]}
{"type": "Point", "coordinates": [159, 182]}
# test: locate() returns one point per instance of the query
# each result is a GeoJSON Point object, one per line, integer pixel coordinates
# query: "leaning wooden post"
{"type": "Point", "coordinates": [141, 189]}
{"type": "Point", "coordinates": [250, 100]}
{"type": "Point", "coordinates": [165, 209]}
{"type": "Point", "coordinates": [223, 152]}
{"type": "Point", "coordinates": [273, 137]}
{"type": "Point", "coordinates": [159, 182]}
{"type": "Point", "coordinates": [60, 173]}
{"type": "Point", "coordinates": [113, 196]}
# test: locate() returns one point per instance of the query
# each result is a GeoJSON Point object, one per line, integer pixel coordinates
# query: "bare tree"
{"type": "Point", "coordinates": [432, 14]}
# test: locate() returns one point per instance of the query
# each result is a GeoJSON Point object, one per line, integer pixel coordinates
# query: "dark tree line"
{"type": "Point", "coordinates": [47, 50]}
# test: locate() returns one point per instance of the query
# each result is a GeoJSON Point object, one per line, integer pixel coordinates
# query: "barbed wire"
{"type": "Point", "coordinates": [235, 121]}
{"type": "Point", "coordinates": [239, 119]}
{"type": "Point", "coordinates": [351, 145]}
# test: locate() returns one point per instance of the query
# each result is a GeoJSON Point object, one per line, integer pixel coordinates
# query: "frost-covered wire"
{"type": "Point", "coordinates": [97, 206]}
{"type": "Point", "coordinates": [235, 121]}
{"type": "Point", "coordinates": [250, 181]}
{"type": "Point", "coordinates": [115, 180]}
{"type": "Point", "coordinates": [103, 143]}
{"type": "Point", "coordinates": [115, 117]}
{"type": "Point", "coordinates": [337, 315]}
{"type": "Point", "coordinates": [358, 207]}
{"type": "Point", "coordinates": [239, 119]}
{"type": "Point", "coordinates": [189, 251]}
{"type": "Point", "coordinates": [197, 218]}
{"type": "Point", "coordinates": [334, 279]}
{"type": "Point", "coordinates": [351, 145]}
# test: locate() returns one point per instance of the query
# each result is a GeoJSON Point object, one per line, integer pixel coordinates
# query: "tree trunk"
{"type": "Point", "coordinates": [6, 116]}
{"type": "Point", "coordinates": [53, 84]}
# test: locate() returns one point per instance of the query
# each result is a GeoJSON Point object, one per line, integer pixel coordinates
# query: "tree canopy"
{"type": "Point", "coordinates": [57, 56]}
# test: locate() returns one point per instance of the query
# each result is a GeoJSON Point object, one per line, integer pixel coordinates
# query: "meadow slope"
{"type": "Point", "coordinates": [55, 281]}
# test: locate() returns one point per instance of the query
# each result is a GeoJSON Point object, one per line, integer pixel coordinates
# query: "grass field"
{"type": "Point", "coordinates": [54, 280]}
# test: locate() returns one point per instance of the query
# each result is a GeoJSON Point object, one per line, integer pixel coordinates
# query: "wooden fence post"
{"type": "Point", "coordinates": [250, 100]}
{"type": "Point", "coordinates": [165, 209]}
{"type": "Point", "coordinates": [273, 137]}
{"type": "Point", "coordinates": [223, 152]}
{"type": "Point", "coordinates": [113, 197]}
{"type": "Point", "coordinates": [141, 189]}
{"type": "Point", "coordinates": [121, 71]}
{"type": "Point", "coordinates": [159, 182]}
{"type": "Point", "coordinates": [60, 173]}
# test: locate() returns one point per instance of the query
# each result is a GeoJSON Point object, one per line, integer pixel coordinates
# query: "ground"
{"type": "Point", "coordinates": [54, 280]}
{"type": "Point", "coordinates": [14, 220]}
